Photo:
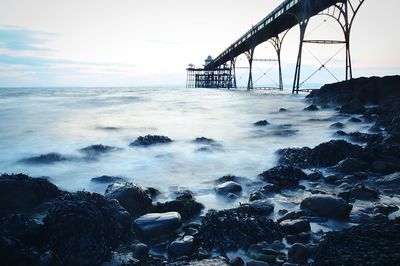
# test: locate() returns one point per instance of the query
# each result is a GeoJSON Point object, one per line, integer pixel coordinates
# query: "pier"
{"type": "Point", "coordinates": [221, 71]}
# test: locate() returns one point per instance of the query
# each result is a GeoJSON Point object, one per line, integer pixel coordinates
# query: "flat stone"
{"type": "Point", "coordinates": [152, 224]}
{"type": "Point", "coordinates": [326, 206]}
{"type": "Point", "coordinates": [295, 226]}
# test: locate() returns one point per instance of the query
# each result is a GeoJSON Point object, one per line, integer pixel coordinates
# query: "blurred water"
{"type": "Point", "coordinates": [37, 121]}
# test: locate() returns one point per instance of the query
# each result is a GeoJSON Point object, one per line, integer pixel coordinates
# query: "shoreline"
{"type": "Point", "coordinates": [343, 182]}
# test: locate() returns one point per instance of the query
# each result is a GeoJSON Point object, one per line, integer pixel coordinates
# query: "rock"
{"type": "Point", "coordinates": [351, 165]}
{"type": "Point", "coordinates": [282, 110]}
{"type": "Point", "coordinates": [256, 263]}
{"type": "Point", "coordinates": [237, 261]}
{"type": "Point", "coordinates": [181, 247]}
{"type": "Point", "coordinates": [390, 180]}
{"type": "Point", "coordinates": [203, 140]}
{"type": "Point", "coordinates": [312, 107]}
{"type": "Point", "coordinates": [277, 245]}
{"type": "Point", "coordinates": [360, 192]}
{"type": "Point", "coordinates": [355, 120]}
{"type": "Point", "coordinates": [205, 262]}
{"type": "Point", "coordinates": [186, 207]}
{"type": "Point", "coordinates": [140, 251]}
{"type": "Point", "coordinates": [21, 193]}
{"type": "Point", "coordinates": [262, 206]}
{"type": "Point", "coordinates": [284, 176]}
{"type": "Point", "coordinates": [315, 175]}
{"type": "Point", "coordinates": [337, 125]}
{"type": "Point", "coordinates": [292, 227]}
{"type": "Point", "coordinates": [107, 179]}
{"type": "Point", "coordinates": [45, 159]}
{"type": "Point", "coordinates": [228, 187]}
{"type": "Point", "coordinates": [132, 197]}
{"type": "Point", "coordinates": [226, 178]}
{"type": "Point", "coordinates": [20, 240]}
{"type": "Point", "coordinates": [82, 228]}
{"type": "Point", "coordinates": [298, 253]}
{"type": "Point", "coordinates": [295, 156]}
{"type": "Point", "coordinates": [153, 224]}
{"type": "Point", "coordinates": [95, 150]}
{"type": "Point", "coordinates": [353, 107]}
{"type": "Point", "coordinates": [332, 152]}
{"type": "Point", "coordinates": [261, 123]}
{"type": "Point", "coordinates": [149, 140]}
{"type": "Point", "coordinates": [326, 206]}
{"type": "Point", "coordinates": [235, 228]}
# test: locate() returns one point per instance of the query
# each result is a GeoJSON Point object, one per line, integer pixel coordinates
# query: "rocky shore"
{"type": "Point", "coordinates": [352, 181]}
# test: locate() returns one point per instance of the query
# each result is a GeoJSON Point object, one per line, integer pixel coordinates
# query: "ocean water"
{"type": "Point", "coordinates": [37, 121]}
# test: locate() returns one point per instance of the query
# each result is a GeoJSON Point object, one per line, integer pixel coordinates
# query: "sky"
{"type": "Point", "coordinates": [150, 43]}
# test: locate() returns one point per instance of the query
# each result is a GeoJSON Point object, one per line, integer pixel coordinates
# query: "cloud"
{"type": "Point", "coordinates": [19, 39]}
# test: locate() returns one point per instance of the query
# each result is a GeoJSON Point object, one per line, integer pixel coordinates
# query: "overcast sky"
{"type": "Point", "coordinates": [150, 42]}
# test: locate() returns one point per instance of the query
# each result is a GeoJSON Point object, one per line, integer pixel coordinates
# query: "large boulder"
{"type": "Point", "coordinates": [284, 176]}
{"type": "Point", "coordinates": [132, 197]}
{"type": "Point", "coordinates": [82, 228]}
{"type": "Point", "coordinates": [21, 193]}
{"type": "Point", "coordinates": [235, 228]}
{"type": "Point", "coordinates": [326, 206]}
{"type": "Point", "coordinates": [295, 156]}
{"type": "Point", "coordinates": [334, 151]}
{"type": "Point", "coordinates": [149, 140]}
{"type": "Point", "coordinates": [155, 224]}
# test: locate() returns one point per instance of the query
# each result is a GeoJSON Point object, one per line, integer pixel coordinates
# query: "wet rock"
{"type": "Point", "coordinates": [326, 206]}
{"type": "Point", "coordinates": [292, 227]}
{"type": "Point", "coordinates": [181, 247]}
{"type": "Point", "coordinates": [107, 179]}
{"type": "Point", "coordinates": [392, 180]}
{"type": "Point", "coordinates": [21, 193]}
{"type": "Point", "coordinates": [295, 156]}
{"type": "Point", "coordinates": [228, 187]}
{"type": "Point", "coordinates": [277, 245]}
{"type": "Point", "coordinates": [153, 224]}
{"type": "Point", "coordinates": [262, 206]}
{"type": "Point", "coordinates": [360, 192]}
{"type": "Point", "coordinates": [95, 150]}
{"type": "Point", "coordinates": [337, 125]}
{"type": "Point", "coordinates": [132, 197]}
{"type": "Point", "coordinates": [298, 253]}
{"type": "Point", "coordinates": [351, 165]}
{"type": "Point", "coordinates": [352, 246]}
{"type": "Point", "coordinates": [82, 228]}
{"type": "Point", "coordinates": [312, 107]}
{"type": "Point", "coordinates": [45, 159]}
{"type": "Point", "coordinates": [256, 263]}
{"type": "Point", "coordinates": [227, 178]}
{"type": "Point", "coordinates": [385, 209]}
{"type": "Point", "coordinates": [353, 107]}
{"type": "Point", "coordinates": [149, 140]}
{"type": "Point", "coordinates": [315, 175]}
{"type": "Point", "coordinates": [140, 251]}
{"type": "Point", "coordinates": [261, 123]}
{"type": "Point", "coordinates": [235, 228]}
{"type": "Point", "coordinates": [285, 130]}
{"type": "Point", "coordinates": [355, 120]}
{"type": "Point", "coordinates": [282, 110]}
{"type": "Point", "coordinates": [238, 261]}
{"type": "Point", "coordinates": [262, 252]}
{"type": "Point", "coordinates": [203, 140]}
{"type": "Point", "coordinates": [284, 176]}
{"type": "Point", "coordinates": [205, 262]}
{"type": "Point", "coordinates": [185, 206]}
{"type": "Point", "coordinates": [332, 152]}
{"type": "Point", "coordinates": [20, 240]}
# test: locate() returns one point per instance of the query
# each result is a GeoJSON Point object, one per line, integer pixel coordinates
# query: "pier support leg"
{"type": "Point", "coordinates": [277, 43]}
{"type": "Point", "coordinates": [296, 83]}
{"type": "Point", "coordinates": [250, 55]}
{"type": "Point", "coordinates": [233, 66]}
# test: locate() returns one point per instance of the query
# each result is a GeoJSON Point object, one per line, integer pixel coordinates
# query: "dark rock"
{"type": "Point", "coordinates": [256, 263]}
{"type": "Point", "coordinates": [45, 159]}
{"type": "Point", "coordinates": [282, 212]}
{"type": "Point", "coordinates": [262, 206]}
{"type": "Point", "coordinates": [204, 262]}
{"type": "Point", "coordinates": [82, 228]}
{"type": "Point", "coordinates": [261, 123]}
{"type": "Point", "coordinates": [355, 120]}
{"type": "Point", "coordinates": [326, 206]}
{"type": "Point", "coordinates": [385, 209]}
{"type": "Point", "coordinates": [95, 150]}
{"type": "Point", "coordinates": [281, 110]}
{"type": "Point", "coordinates": [21, 193]}
{"type": "Point", "coordinates": [312, 107]}
{"type": "Point", "coordinates": [107, 179]}
{"type": "Point", "coordinates": [284, 176]}
{"type": "Point", "coordinates": [337, 125]}
{"type": "Point", "coordinates": [226, 178]}
{"type": "Point", "coordinates": [392, 180]}
{"type": "Point", "coordinates": [295, 156]}
{"type": "Point", "coordinates": [292, 227]}
{"type": "Point", "coordinates": [332, 152]}
{"type": "Point", "coordinates": [153, 192]}
{"type": "Point", "coordinates": [203, 140]}
{"type": "Point", "coordinates": [238, 261]}
{"type": "Point", "coordinates": [150, 140]}
{"type": "Point", "coordinates": [186, 207]}
{"type": "Point", "coordinates": [298, 253]}
{"type": "Point", "coordinates": [181, 247]}
{"type": "Point", "coordinates": [351, 165]}
{"type": "Point", "coordinates": [235, 228]}
{"type": "Point", "coordinates": [154, 224]}
{"type": "Point", "coordinates": [315, 175]}
{"type": "Point", "coordinates": [228, 187]}
{"type": "Point", "coordinates": [360, 192]}
{"type": "Point", "coordinates": [353, 107]}
{"type": "Point", "coordinates": [262, 252]}
{"type": "Point", "coordinates": [140, 251]}
{"type": "Point", "coordinates": [331, 179]}
{"type": "Point", "coordinates": [352, 246]}
{"type": "Point", "coordinates": [132, 197]}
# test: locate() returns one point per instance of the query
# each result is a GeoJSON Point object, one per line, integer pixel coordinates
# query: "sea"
{"type": "Point", "coordinates": [36, 121]}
